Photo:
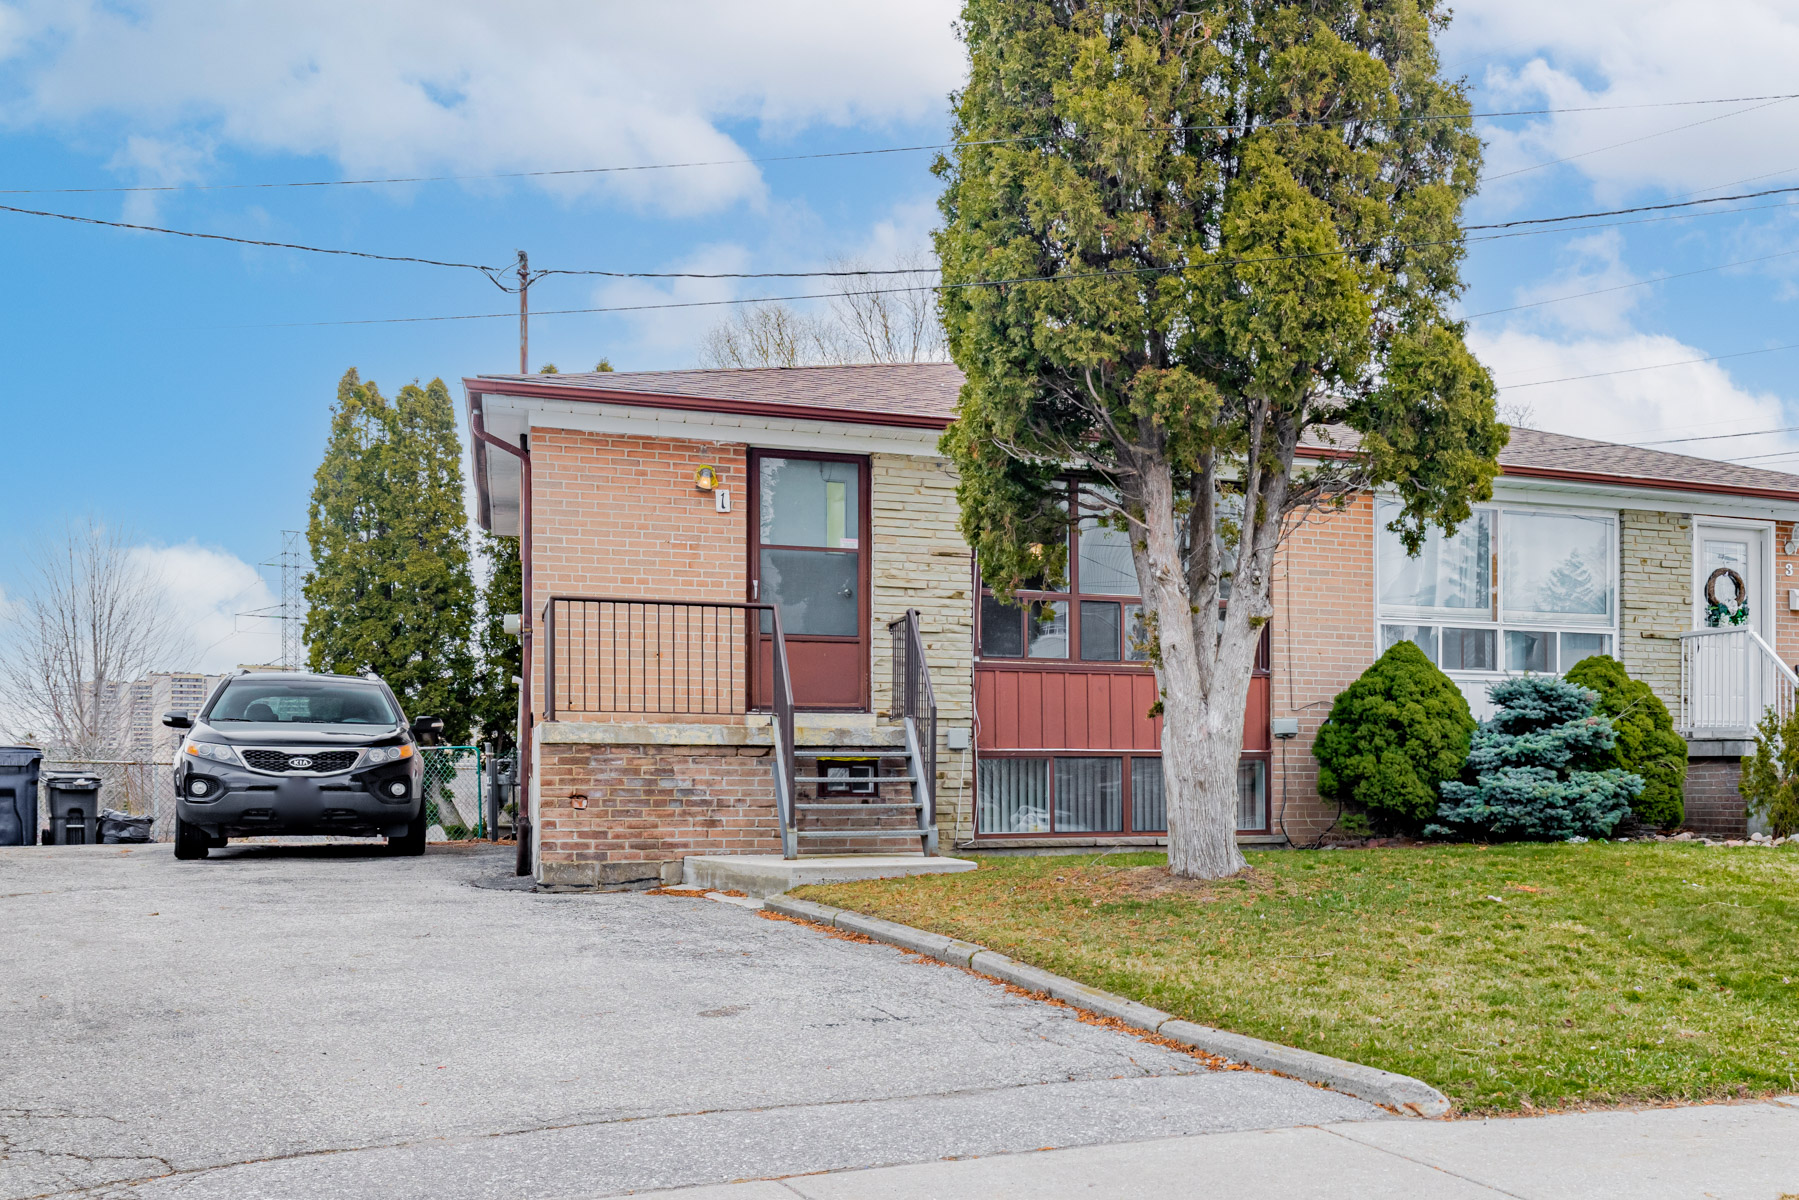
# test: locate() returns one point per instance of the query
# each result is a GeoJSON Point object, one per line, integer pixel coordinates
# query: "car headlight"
{"type": "Point", "coordinates": [212, 752]}
{"type": "Point", "coordinates": [386, 754]}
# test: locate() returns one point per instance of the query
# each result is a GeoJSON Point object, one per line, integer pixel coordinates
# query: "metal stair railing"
{"type": "Point", "coordinates": [696, 658]}
{"type": "Point", "coordinates": [1729, 680]}
{"type": "Point", "coordinates": [915, 703]}
{"type": "Point", "coordinates": [782, 723]}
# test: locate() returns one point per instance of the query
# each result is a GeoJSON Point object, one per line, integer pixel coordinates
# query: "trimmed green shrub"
{"type": "Point", "coordinates": [1770, 781]}
{"type": "Point", "coordinates": [1393, 736]}
{"type": "Point", "coordinates": [1537, 768]}
{"type": "Point", "coordinates": [1647, 744]}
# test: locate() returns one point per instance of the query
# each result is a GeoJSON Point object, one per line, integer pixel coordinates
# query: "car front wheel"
{"type": "Point", "coordinates": [412, 842]}
{"type": "Point", "coordinates": [190, 840]}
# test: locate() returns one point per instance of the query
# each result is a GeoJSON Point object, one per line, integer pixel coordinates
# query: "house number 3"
{"type": "Point", "coordinates": [1789, 569]}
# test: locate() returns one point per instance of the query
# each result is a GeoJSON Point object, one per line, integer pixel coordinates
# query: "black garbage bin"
{"type": "Point", "coordinates": [18, 795]}
{"type": "Point", "coordinates": [74, 804]}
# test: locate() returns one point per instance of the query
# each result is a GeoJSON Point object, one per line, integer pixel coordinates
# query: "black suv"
{"type": "Point", "coordinates": [285, 752]}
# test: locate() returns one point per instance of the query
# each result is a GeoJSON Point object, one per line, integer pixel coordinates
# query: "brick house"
{"type": "Point", "coordinates": [702, 545]}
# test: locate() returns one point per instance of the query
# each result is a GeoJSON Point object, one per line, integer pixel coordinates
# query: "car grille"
{"type": "Point", "coordinates": [322, 762]}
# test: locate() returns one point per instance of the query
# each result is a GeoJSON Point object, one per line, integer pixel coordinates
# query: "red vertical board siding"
{"type": "Point", "coordinates": [1255, 715]}
{"type": "Point", "coordinates": [1026, 709]}
{"type": "Point", "coordinates": [1149, 729]}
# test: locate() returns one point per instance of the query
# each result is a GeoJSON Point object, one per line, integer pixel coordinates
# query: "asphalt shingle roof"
{"type": "Point", "coordinates": [930, 389]}
{"type": "Point", "coordinates": [903, 389]}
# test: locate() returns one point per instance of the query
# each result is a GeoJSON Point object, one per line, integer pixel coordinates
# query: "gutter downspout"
{"type": "Point", "coordinates": [522, 821]}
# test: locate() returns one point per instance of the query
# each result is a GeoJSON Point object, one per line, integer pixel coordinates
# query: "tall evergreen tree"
{"type": "Point", "coordinates": [391, 589]}
{"type": "Point", "coordinates": [502, 657]}
{"type": "Point", "coordinates": [1251, 241]}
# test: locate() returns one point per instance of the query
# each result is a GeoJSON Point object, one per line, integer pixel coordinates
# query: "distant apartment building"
{"type": "Point", "coordinates": [141, 703]}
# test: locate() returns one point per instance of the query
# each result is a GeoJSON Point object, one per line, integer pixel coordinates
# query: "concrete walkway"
{"type": "Point", "coordinates": [1722, 1152]}
{"type": "Point", "coordinates": [312, 1021]}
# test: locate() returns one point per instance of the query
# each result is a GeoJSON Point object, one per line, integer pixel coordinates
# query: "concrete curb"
{"type": "Point", "coordinates": [1402, 1093]}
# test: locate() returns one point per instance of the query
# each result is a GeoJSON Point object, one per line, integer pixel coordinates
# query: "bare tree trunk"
{"type": "Point", "coordinates": [1203, 679]}
{"type": "Point", "coordinates": [1202, 741]}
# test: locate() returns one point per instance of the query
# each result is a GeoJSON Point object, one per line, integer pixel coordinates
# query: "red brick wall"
{"type": "Point", "coordinates": [616, 814]}
{"type": "Point", "coordinates": [619, 516]}
{"type": "Point", "coordinates": [1323, 639]}
{"type": "Point", "coordinates": [1714, 806]}
{"type": "Point", "coordinates": [1786, 624]}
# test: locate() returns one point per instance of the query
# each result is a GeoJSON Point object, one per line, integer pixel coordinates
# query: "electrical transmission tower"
{"type": "Point", "coordinates": [291, 612]}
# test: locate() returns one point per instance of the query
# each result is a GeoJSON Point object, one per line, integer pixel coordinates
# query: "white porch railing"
{"type": "Point", "coordinates": [1729, 678]}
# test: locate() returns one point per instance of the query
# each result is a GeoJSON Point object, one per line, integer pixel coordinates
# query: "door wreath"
{"type": "Point", "coordinates": [1718, 613]}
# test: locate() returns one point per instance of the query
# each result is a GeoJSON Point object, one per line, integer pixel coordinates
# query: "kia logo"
{"type": "Point", "coordinates": [299, 761]}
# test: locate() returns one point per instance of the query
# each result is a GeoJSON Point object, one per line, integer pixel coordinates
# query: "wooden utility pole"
{"type": "Point", "coordinates": [524, 314]}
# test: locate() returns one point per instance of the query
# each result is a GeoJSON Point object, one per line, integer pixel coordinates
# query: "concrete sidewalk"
{"type": "Point", "coordinates": [1715, 1152]}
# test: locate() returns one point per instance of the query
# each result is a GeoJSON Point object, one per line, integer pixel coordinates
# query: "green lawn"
{"type": "Point", "coordinates": [1508, 976]}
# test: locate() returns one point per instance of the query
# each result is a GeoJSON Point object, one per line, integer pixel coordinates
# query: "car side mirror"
{"type": "Point", "coordinates": [428, 729]}
{"type": "Point", "coordinates": [177, 720]}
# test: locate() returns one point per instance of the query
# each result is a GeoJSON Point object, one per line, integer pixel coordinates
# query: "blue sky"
{"type": "Point", "coordinates": [174, 387]}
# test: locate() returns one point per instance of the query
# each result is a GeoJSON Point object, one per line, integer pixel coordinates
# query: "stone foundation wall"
{"type": "Point", "coordinates": [611, 815]}
{"type": "Point", "coordinates": [1714, 806]}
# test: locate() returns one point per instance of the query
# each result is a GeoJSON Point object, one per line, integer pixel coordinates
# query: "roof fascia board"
{"type": "Point", "coordinates": [756, 429]}
{"type": "Point", "coordinates": [1660, 494]}
{"type": "Point", "coordinates": [804, 412]}
{"type": "Point", "coordinates": [1520, 489]}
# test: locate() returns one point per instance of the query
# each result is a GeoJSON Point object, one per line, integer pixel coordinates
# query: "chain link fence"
{"type": "Point", "coordinates": [455, 793]}
{"type": "Point", "coordinates": [454, 778]}
{"type": "Point", "coordinates": [141, 787]}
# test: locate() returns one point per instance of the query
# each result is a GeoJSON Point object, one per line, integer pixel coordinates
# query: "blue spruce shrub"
{"type": "Point", "coordinates": [1537, 767]}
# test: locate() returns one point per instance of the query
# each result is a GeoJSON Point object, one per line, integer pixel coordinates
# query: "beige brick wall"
{"type": "Point", "coordinates": [920, 561]}
{"type": "Point", "coordinates": [1655, 558]}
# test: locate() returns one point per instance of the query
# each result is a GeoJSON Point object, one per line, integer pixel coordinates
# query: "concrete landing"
{"type": "Point", "coordinates": [770, 874]}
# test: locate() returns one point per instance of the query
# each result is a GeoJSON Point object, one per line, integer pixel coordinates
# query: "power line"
{"type": "Point", "coordinates": [1493, 312]}
{"type": "Point", "coordinates": [1719, 437]}
{"type": "Point", "coordinates": [1685, 362]}
{"type": "Point", "coordinates": [1619, 212]}
{"type": "Point", "coordinates": [751, 160]}
{"type": "Point", "coordinates": [936, 287]}
{"type": "Point", "coordinates": [1633, 141]}
{"type": "Point", "coordinates": [1761, 457]}
{"type": "Point", "coordinates": [220, 237]}
{"type": "Point", "coordinates": [490, 271]}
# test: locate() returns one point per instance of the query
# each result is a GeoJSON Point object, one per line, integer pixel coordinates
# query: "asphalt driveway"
{"type": "Point", "coordinates": [322, 1020]}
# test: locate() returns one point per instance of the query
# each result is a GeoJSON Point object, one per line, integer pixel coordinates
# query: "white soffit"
{"type": "Point", "coordinates": [1608, 497]}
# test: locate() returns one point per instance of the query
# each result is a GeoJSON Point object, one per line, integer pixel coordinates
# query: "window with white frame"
{"type": "Point", "coordinates": [1516, 589]}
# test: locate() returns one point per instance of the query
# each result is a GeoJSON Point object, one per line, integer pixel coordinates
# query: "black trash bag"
{"type": "Point", "coordinates": [119, 828]}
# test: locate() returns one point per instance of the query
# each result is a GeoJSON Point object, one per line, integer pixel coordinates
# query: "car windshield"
{"type": "Point", "coordinates": [303, 702]}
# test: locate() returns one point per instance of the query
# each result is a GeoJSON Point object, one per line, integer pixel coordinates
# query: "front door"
{"type": "Point", "coordinates": [808, 556]}
{"type": "Point", "coordinates": [1731, 572]}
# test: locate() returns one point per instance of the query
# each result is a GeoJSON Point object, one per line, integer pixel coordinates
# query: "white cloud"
{"type": "Point", "coordinates": [1695, 399]}
{"type": "Point", "coordinates": [472, 86]}
{"type": "Point", "coordinates": [1594, 266]}
{"type": "Point", "coordinates": [210, 589]}
{"type": "Point", "coordinates": [1621, 52]}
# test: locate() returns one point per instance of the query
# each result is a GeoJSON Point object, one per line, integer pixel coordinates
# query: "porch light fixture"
{"type": "Point", "coordinates": [706, 478]}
